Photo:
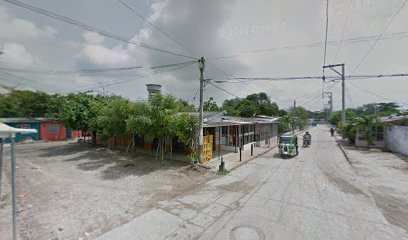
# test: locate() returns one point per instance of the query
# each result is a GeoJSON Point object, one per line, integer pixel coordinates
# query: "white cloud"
{"type": "Point", "coordinates": [13, 28]}
{"type": "Point", "coordinates": [17, 54]}
{"type": "Point", "coordinates": [93, 38]}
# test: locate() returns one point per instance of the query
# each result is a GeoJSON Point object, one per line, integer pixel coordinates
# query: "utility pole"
{"type": "Point", "coordinates": [201, 67]}
{"type": "Point", "coordinates": [330, 103]}
{"type": "Point", "coordinates": [294, 105]}
{"type": "Point", "coordinates": [343, 90]}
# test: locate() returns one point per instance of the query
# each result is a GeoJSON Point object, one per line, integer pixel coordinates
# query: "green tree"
{"type": "Point", "coordinates": [184, 106]}
{"type": "Point", "coordinates": [367, 123]}
{"type": "Point", "coordinates": [210, 105]}
{"type": "Point", "coordinates": [111, 117]}
{"type": "Point", "coordinates": [254, 104]}
{"type": "Point", "coordinates": [186, 131]}
{"type": "Point", "coordinates": [77, 112]}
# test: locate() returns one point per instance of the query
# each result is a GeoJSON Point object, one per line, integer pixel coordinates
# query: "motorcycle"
{"type": "Point", "coordinates": [306, 143]}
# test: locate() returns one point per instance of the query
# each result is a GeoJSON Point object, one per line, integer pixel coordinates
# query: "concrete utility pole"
{"type": "Point", "coordinates": [343, 86]}
{"type": "Point", "coordinates": [330, 103]}
{"type": "Point", "coordinates": [201, 67]}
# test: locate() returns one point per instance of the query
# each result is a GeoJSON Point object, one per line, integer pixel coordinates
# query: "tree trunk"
{"type": "Point", "coordinates": [94, 138]}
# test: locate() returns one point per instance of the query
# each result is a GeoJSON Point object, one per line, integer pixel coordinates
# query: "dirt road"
{"type": "Point", "coordinates": [316, 195]}
{"type": "Point", "coordinates": [70, 191]}
{"type": "Point", "coordinates": [73, 191]}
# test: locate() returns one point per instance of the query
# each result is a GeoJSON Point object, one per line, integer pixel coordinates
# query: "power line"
{"type": "Point", "coordinates": [349, 77]}
{"type": "Point", "coordinates": [195, 95]}
{"type": "Point", "coordinates": [376, 94]}
{"type": "Point", "coordinates": [342, 34]}
{"type": "Point", "coordinates": [317, 44]}
{"type": "Point", "coordinates": [121, 81]}
{"type": "Point", "coordinates": [101, 70]}
{"type": "Point", "coordinates": [23, 81]}
{"type": "Point", "coordinates": [156, 27]}
{"type": "Point", "coordinates": [380, 36]}
{"type": "Point", "coordinates": [222, 89]}
{"type": "Point", "coordinates": [89, 28]}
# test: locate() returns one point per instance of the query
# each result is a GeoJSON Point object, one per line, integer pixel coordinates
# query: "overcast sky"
{"type": "Point", "coordinates": [210, 28]}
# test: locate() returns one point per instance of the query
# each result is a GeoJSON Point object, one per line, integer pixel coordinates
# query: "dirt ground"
{"type": "Point", "coordinates": [69, 190]}
{"type": "Point", "coordinates": [386, 176]}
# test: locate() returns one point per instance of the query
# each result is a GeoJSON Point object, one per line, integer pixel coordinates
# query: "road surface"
{"type": "Point", "coordinates": [316, 195]}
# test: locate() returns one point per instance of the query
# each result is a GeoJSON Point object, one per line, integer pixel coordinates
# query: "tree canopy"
{"type": "Point", "coordinates": [254, 104]}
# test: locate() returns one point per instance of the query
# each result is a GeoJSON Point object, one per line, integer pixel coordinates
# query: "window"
{"type": "Point", "coordinates": [23, 125]}
{"type": "Point", "coordinates": [52, 128]}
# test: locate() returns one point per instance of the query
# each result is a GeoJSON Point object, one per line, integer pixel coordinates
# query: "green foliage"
{"type": "Point", "coordinates": [77, 112]}
{"type": "Point", "coordinates": [186, 129]}
{"type": "Point", "coordinates": [254, 104]}
{"type": "Point", "coordinates": [184, 106]}
{"type": "Point", "coordinates": [367, 123]}
{"type": "Point", "coordinates": [349, 131]}
{"type": "Point", "coordinates": [111, 116]}
{"type": "Point", "coordinates": [19, 103]}
{"type": "Point", "coordinates": [211, 106]}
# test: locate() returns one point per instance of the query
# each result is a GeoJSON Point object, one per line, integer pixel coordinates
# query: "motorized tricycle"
{"type": "Point", "coordinates": [288, 145]}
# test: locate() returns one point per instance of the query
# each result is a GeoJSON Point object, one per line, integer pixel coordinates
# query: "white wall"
{"type": "Point", "coordinates": [396, 139]}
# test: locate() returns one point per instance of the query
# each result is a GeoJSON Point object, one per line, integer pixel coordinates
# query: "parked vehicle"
{"type": "Point", "coordinates": [288, 145]}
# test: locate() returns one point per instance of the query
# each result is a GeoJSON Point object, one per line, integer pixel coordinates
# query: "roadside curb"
{"type": "Point", "coordinates": [343, 151]}
{"type": "Point", "coordinates": [252, 158]}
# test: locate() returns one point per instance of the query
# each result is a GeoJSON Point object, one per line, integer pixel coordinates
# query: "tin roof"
{"type": "Point", "coordinates": [25, 120]}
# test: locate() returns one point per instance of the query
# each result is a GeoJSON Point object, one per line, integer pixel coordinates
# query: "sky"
{"type": "Point", "coordinates": [280, 29]}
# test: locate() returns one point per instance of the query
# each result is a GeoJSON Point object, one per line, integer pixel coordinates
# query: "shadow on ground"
{"type": "Point", "coordinates": [112, 164]}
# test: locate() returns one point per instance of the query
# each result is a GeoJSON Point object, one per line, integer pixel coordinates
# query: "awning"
{"type": "Point", "coordinates": [6, 130]}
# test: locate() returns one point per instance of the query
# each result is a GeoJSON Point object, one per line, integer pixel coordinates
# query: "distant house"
{"type": "Point", "coordinates": [47, 129]}
{"type": "Point", "coordinates": [396, 135]}
{"type": "Point", "coordinates": [224, 134]}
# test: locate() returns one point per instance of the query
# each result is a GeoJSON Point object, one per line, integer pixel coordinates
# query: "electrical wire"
{"type": "Point", "coordinates": [122, 81]}
{"type": "Point", "coordinates": [397, 35]}
{"type": "Point", "coordinates": [23, 81]}
{"type": "Point", "coordinates": [90, 28]}
{"type": "Point", "coordinates": [222, 89]}
{"type": "Point", "coordinates": [380, 36]}
{"type": "Point", "coordinates": [88, 71]}
{"type": "Point", "coordinates": [156, 27]}
{"type": "Point", "coordinates": [346, 22]}
{"type": "Point", "coordinates": [376, 94]}
{"type": "Point", "coordinates": [331, 78]}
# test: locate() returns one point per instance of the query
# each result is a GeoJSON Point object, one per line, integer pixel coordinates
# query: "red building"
{"type": "Point", "coordinates": [53, 131]}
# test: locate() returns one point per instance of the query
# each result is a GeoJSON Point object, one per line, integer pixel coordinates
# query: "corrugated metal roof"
{"type": "Point", "coordinates": [393, 118]}
{"type": "Point", "coordinates": [25, 120]}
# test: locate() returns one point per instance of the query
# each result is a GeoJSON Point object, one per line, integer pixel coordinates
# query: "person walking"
{"type": "Point", "coordinates": [332, 131]}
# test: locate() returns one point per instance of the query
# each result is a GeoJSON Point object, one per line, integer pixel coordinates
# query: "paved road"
{"type": "Point", "coordinates": [315, 195]}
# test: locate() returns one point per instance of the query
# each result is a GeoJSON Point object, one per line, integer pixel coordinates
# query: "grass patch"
{"type": "Point", "coordinates": [223, 172]}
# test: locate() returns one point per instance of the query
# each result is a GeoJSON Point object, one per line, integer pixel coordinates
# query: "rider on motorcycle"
{"type": "Point", "coordinates": [307, 138]}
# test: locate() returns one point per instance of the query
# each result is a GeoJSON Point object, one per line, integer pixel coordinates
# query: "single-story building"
{"type": "Point", "coordinates": [396, 134]}
{"type": "Point", "coordinates": [393, 135]}
{"type": "Point", "coordinates": [47, 129]}
{"type": "Point", "coordinates": [223, 134]}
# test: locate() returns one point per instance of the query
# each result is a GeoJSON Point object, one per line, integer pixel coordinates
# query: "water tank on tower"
{"type": "Point", "coordinates": [153, 89]}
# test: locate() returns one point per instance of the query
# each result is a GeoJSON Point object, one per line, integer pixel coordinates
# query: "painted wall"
{"type": "Point", "coordinates": [396, 139]}
{"type": "Point", "coordinates": [53, 131]}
